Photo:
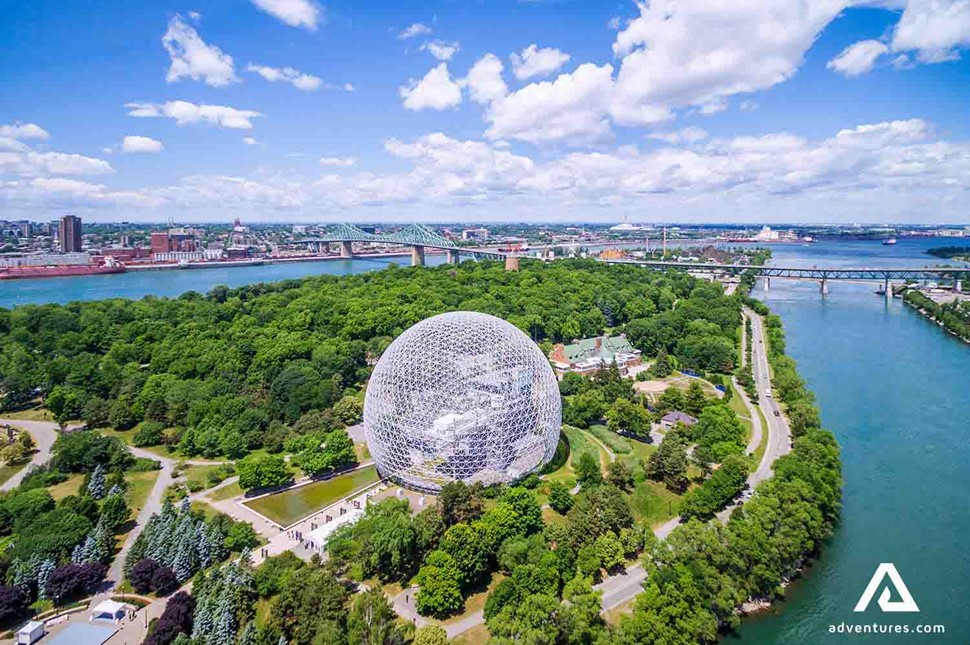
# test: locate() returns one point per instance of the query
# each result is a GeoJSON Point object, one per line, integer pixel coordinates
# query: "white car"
{"type": "Point", "coordinates": [768, 392]}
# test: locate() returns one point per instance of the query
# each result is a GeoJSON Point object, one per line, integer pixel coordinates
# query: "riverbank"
{"type": "Point", "coordinates": [953, 318]}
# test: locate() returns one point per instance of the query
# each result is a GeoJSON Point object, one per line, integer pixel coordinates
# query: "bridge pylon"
{"type": "Point", "coordinates": [347, 249]}
{"type": "Point", "coordinates": [511, 263]}
{"type": "Point", "coordinates": [824, 287]}
{"type": "Point", "coordinates": [454, 256]}
{"type": "Point", "coordinates": [417, 256]}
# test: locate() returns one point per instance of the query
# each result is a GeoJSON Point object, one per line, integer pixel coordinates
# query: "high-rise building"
{"type": "Point", "coordinates": [69, 234]}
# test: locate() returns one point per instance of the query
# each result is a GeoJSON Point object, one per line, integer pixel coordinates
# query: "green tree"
{"type": "Point", "coordinates": [439, 582]}
{"type": "Point", "coordinates": [620, 474]}
{"type": "Point", "coordinates": [430, 635]}
{"type": "Point", "coordinates": [263, 471]}
{"type": "Point", "coordinates": [669, 464]}
{"type": "Point", "coordinates": [372, 620]}
{"type": "Point", "coordinates": [588, 470]}
{"type": "Point", "coordinates": [626, 416]}
{"type": "Point", "coordinates": [559, 498]}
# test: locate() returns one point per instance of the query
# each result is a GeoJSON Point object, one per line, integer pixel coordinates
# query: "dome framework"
{"type": "Point", "coordinates": [461, 396]}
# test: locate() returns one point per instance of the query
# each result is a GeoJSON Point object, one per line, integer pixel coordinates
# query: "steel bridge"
{"type": "Point", "coordinates": [416, 236]}
{"type": "Point", "coordinates": [886, 275]}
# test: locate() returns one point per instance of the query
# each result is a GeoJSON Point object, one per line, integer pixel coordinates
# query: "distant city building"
{"type": "Point", "coordinates": [69, 234]}
{"type": "Point", "coordinates": [299, 229]}
{"type": "Point", "coordinates": [474, 234]}
{"type": "Point", "coordinates": [174, 240]}
{"type": "Point", "coordinates": [612, 254]}
{"type": "Point", "coordinates": [590, 355]}
{"type": "Point", "coordinates": [26, 230]}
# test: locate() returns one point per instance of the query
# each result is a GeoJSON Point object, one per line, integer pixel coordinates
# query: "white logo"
{"type": "Point", "coordinates": [905, 603]}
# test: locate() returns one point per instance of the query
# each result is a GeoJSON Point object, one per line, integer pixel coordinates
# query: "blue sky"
{"type": "Point", "coordinates": [674, 110]}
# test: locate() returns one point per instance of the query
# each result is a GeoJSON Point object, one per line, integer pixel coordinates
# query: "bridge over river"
{"type": "Point", "coordinates": [416, 236]}
{"type": "Point", "coordinates": [887, 276]}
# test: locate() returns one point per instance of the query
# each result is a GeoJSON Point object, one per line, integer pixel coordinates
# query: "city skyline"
{"type": "Point", "coordinates": [293, 111]}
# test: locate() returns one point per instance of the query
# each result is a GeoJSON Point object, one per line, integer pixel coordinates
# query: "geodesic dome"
{"type": "Point", "coordinates": [461, 396]}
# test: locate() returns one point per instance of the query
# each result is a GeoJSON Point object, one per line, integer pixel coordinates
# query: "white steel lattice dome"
{"type": "Point", "coordinates": [461, 396]}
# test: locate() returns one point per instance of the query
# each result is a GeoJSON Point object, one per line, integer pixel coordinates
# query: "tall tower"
{"type": "Point", "coordinates": [69, 234]}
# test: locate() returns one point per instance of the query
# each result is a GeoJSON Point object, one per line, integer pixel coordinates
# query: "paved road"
{"type": "Point", "coordinates": [779, 432]}
{"type": "Point", "coordinates": [44, 434]}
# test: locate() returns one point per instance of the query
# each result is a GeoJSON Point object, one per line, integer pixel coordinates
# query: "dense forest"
{"type": "Point", "coordinates": [237, 369]}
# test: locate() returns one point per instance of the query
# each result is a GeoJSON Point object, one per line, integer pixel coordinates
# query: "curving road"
{"type": "Point", "coordinates": [44, 434]}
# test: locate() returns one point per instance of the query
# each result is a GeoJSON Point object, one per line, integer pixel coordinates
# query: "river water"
{"type": "Point", "coordinates": [893, 387]}
{"type": "Point", "coordinates": [895, 390]}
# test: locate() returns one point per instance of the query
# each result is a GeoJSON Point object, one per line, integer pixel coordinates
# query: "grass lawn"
{"type": "Point", "coordinates": [614, 615]}
{"type": "Point", "coordinates": [197, 477]}
{"type": "Point", "coordinates": [7, 471]}
{"type": "Point", "coordinates": [139, 486]}
{"type": "Point", "coordinates": [363, 454]}
{"type": "Point", "coordinates": [69, 486]}
{"type": "Point", "coordinates": [289, 506]}
{"type": "Point", "coordinates": [760, 450]}
{"type": "Point", "coordinates": [741, 410]}
{"type": "Point", "coordinates": [652, 503]}
{"type": "Point", "coordinates": [618, 444]}
{"type": "Point", "coordinates": [226, 492]}
{"type": "Point", "coordinates": [474, 636]}
{"type": "Point", "coordinates": [31, 414]}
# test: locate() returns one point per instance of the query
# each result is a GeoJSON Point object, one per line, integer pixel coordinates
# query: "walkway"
{"type": "Point", "coordinates": [44, 434]}
{"type": "Point", "coordinates": [153, 504]}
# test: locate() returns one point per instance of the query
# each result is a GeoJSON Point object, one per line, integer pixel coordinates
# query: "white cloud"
{"type": "Point", "coordinates": [697, 53]}
{"type": "Point", "coordinates": [532, 62]}
{"type": "Point", "coordinates": [484, 80]}
{"type": "Point", "coordinates": [898, 168]}
{"type": "Point", "coordinates": [858, 58]}
{"type": "Point", "coordinates": [349, 87]}
{"type": "Point", "coordinates": [186, 113]}
{"type": "Point", "coordinates": [340, 162]}
{"type": "Point", "coordinates": [250, 141]}
{"type": "Point", "coordinates": [935, 29]}
{"type": "Point", "coordinates": [440, 49]}
{"type": "Point", "coordinates": [29, 163]}
{"type": "Point", "coordinates": [23, 131]}
{"type": "Point", "coordinates": [417, 29]}
{"type": "Point", "coordinates": [574, 107]}
{"type": "Point", "coordinates": [436, 91]}
{"type": "Point", "coordinates": [685, 135]}
{"type": "Point", "coordinates": [192, 58]}
{"type": "Point", "coordinates": [134, 143]}
{"type": "Point", "coordinates": [296, 78]}
{"type": "Point", "coordinates": [295, 13]}
{"type": "Point", "coordinates": [12, 145]}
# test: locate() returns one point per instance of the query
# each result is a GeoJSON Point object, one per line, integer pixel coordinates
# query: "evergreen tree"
{"type": "Point", "coordinates": [43, 576]}
{"type": "Point", "coordinates": [96, 485]}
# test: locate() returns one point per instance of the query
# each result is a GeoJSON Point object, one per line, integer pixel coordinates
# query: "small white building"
{"type": "Point", "coordinates": [30, 633]}
{"type": "Point", "coordinates": [111, 610]}
{"type": "Point", "coordinates": [316, 540]}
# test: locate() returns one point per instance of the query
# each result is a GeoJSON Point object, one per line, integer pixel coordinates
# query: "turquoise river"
{"type": "Point", "coordinates": [892, 386]}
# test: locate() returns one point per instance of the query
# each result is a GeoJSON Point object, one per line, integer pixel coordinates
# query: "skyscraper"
{"type": "Point", "coordinates": [69, 234]}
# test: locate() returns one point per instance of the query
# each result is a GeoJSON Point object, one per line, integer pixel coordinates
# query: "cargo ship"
{"type": "Point", "coordinates": [66, 271]}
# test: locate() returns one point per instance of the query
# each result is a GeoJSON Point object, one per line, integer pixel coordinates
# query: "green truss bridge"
{"type": "Point", "coordinates": [886, 275]}
{"type": "Point", "coordinates": [416, 236]}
